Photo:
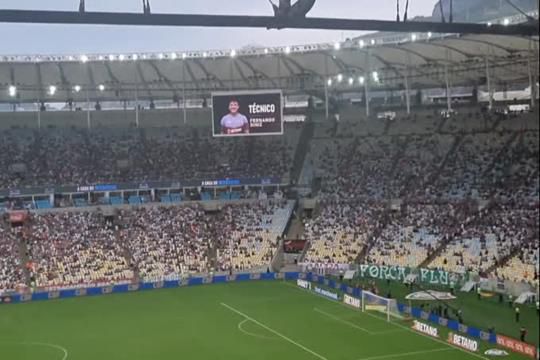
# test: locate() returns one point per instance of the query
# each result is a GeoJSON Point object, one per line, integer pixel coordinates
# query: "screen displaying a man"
{"type": "Point", "coordinates": [234, 123]}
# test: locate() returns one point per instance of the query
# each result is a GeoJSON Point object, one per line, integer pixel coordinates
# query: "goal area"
{"type": "Point", "coordinates": [385, 306]}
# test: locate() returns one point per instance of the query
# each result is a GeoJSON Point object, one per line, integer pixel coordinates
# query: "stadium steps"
{"type": "Point", "coordinates": [504, 260]}
{"type": "Point", "coordinates": [402, 147]}
{"type": "Point", "coordinates": [387, 126]}
{"type": "Point", "coordinates": [435, 254]}
{"type": "Point", "coordinates": [442, 125]}
{"type": "Point", "coordinates": [23, 251]}
{"type": "Point", "coordinates": [502, 151]}
{"type": "Point", "coordinates": [144, 142]}
{"type": "Point", "coordinates": [384, 221]}
{"type": "Point", "coordinates": [496, 123]}
{"type": "Point", "coordinates": [296, 230]}
{"type": "Point", "coordinates": [444, 243]}
{"type": "Point", "coordinates": [449, 155]}
{"type": "Point", "coordinates": [122, 223]}
{"type": "Point", "coordinates": [302, 149]}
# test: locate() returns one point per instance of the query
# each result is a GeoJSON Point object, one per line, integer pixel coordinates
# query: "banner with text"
{"type": "Point", "coordinates": [400, 273]}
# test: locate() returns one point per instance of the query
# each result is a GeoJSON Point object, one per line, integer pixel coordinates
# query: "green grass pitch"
{"type": "Point", "coordinates": [235, 321]}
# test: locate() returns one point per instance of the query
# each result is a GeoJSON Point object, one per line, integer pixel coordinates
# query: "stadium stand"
{"type": "Point", "coordinates": [71, 249]}
{"type": "Point", "coordinates": [166, 242]}
{"type": "Point", "coordinates": [247, 236]}
{"type": "Point", "coordinates": [434, 165]}
{"type": "Point", "coordinates": [11, 269]}
{"type": "Point", "coordinates": [69, 156]}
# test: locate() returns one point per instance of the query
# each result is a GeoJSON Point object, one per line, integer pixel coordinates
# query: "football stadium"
{"type": "Point", "coordinates": [347, 187]}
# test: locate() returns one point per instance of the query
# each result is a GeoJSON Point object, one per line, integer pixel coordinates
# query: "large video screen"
{"type": "Point", "coordinates": [247, 113]}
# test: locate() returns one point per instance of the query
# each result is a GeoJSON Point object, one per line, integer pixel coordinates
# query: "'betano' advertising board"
{"type": "Point", "coordinates": [463, 342]}
{"type": "Point", "coordinates": [352, 301]}
{"type": "Point", "coordinates": [247, 113]}
{"type": "Point", "coordinates": [425, 329]}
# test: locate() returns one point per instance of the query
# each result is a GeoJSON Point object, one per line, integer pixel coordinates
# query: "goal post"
{"type": "Point", "coordinates": [373, 302]}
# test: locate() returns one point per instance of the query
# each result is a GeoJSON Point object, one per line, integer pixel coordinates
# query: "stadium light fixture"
{"type": "Point", "coordinates": [111, 57]}
{"type": "Point", "coordinates": [506, 21]}
{"type": "Point", "coordinates": [362, 80]}
{"type": "Point", "coordinates": [337, 46]}
{"type": "Point", "coordinates": [161, 56]}
{"type": "Point", "coordinates": [375, 76]}
{"type": "Point", "coordinates": [77, 88]}
{"type": "Point", "coordinates": [266, 51]}
{"type": "Point", "coordinates": [414, 37]}
{"type": "Point", "coordinates": [489, 23]}
{"type": "Point", "coordinates": [233, 53]}
{"type": "Point", "coordinates": [135, 57]}
{"type": "Point", "coordinates": [101, 58]}
{"type": "Point", "coordinates": [351, 81]}
{"type": "Point", "coordinates": [144, 57]}
{"type": "Point", "coordinates": [329, 82]}
{"type": "Point", "coordinates": [288, 50]}
{"type": "Point", "coordinates": [429, 35]}
{"type": "Point", "coordinates": [121, 57]}
{"type": "Point", "coordinates": [184, 56]}
{"type": "Point", "coordinates": [204, 55]}
{"type": "Point", "coordinates": [84, 59]}
{"type": "Point", "coordinates": [361, 43]}
{"type": "Point", "coordinates": [174, 56]}
{"type": "Point", "coordinates": [340, 78]}
{"type": "Point", "coordinates": [12, 90]}
{"type": "Point", "coordinates": [372, 41]}
{"type": "Point", "coordinates": [101, 87]}
{"type": "Point", "coordinates": [52, 90]}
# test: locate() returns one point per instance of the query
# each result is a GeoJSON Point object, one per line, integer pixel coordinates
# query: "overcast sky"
{"type": "Point", "coordinates": [76, 39]}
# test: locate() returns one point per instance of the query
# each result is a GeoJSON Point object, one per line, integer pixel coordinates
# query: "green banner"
{"type": "Point", "coordinates": [400, 273]}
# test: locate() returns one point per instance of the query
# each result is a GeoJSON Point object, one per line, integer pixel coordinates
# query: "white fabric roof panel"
{"type": "Point", "coordinates": [423, 61]}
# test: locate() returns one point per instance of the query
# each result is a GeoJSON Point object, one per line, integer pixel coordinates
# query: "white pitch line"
{"type": "Point", "coordinates": [52, 346]}
{"type": "Point", "coordinates": [393, 323]}
{"type": "Point", "coordinates": [274, 332]}
{"type": "Point", "coordinates": [353, 325]}
{"type": "Point", "coordinates": [406, 354]}
{"type": "Point", "coordinates": [241, 328]}
{"type": "Point", "coordinates": [431, 338]}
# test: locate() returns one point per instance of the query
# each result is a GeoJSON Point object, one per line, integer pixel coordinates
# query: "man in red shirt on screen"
{"type": "Point", "coordinates": [234, 123]}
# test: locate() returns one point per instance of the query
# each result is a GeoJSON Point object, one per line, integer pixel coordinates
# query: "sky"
{"type": "Point", "coordinates": [87, 39]}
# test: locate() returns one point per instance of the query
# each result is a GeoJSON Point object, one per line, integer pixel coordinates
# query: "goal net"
{"type": "Point", "coordinates": [373, 302]}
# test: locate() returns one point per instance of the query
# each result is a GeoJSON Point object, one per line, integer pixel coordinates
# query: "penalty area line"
{"type": "Point", "coordinates": [394, 324]}
{"type": "Point", "coordinates": [353, 325]}
{"type": "Point", "coordinates": [407, 354]}
{"type": "Point", "coordinates": [52, 346]}
{"type": "Point", "coordinates": [238, 312]}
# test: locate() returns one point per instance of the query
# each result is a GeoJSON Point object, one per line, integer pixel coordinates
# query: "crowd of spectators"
{"type": "Point", "coordinates": [489, 236]}
{"type": "Point", "coordinates": [247, 236]}
{"type": "Point", "coordinates": [166, 242]}
{"type": "Point", "coordinates": [469, 188]}
{"type": "Point", "coordinates": [69, 249]}
{"type": "Point", "coordinates": [150, 243]}
{"type": "Point", "coordinates": [11, 269]}
{"type": "Point", "coordinates": [469, 185]}
{"type": "Point", "coordinates": [341, 230]}
{"type": "Point", "coordinates": [413, 233]}
{"type": "Point", "coordinates": [66, 156]}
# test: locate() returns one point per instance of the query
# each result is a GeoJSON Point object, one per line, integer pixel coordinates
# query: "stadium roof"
{"type": "Point", "coordinates": [424, 59]}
